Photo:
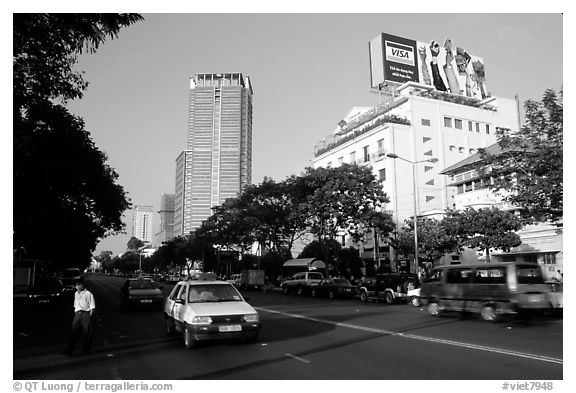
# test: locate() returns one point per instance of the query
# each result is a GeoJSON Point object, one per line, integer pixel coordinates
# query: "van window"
{"type": "Point", "coordinates": [490, 276]}
{"type": "Point", "coordinates": [529, 274]}
{"type": "Point", "coordinates": [435, 276]}
{"type": "Point", "coordinates": [315, 276]}
{"type": "Point", "coordinates": [458, 276]}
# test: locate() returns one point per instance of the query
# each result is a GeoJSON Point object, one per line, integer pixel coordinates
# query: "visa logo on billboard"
{"type": "Point", "coordinates": [399, 53]}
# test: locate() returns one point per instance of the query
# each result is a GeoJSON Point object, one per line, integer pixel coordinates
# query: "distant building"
{"type": "Point", "coordinates": [166, 214]}
{"type": "Point", "coordinates": [142, 219]}
{"type": "Point", "coordinates": [217, 163]}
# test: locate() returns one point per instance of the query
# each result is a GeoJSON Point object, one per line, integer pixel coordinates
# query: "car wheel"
{"type": "Point", "coordinates": [169, 326]}
{"type": "Point", "coordinates": [313, 293]}
{"type": "Point", "coordinates": [331, 295]}
{"type": "Point", "coordinates": [388, 298]}
{"type": "Point", "coordinates": [434, 309]}
{"type": "Point", "coordinates": [363, 297]}
{"type": "Point", "coordinates": [488, 313]}
{"type": "Point", "coordinates": [415, 301]}
{"type": "Point", "coordinates": [189, 342]}
{"type": "Point", "coordinates": [300, 291]}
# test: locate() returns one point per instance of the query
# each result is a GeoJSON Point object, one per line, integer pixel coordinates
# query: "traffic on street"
{"type": "Point", "coordinates": [297, 337]}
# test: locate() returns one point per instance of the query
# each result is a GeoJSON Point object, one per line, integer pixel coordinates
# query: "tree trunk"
{"type": "Point", "coordinates": [487, 255]}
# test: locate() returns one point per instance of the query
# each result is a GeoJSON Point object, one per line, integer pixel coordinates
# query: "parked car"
{"type": "Point", "coordinates": [390, 287]}
{"type": "Point", "coordinates": [555, 295]}
{"type": "Point", "coordinates": [69, 276]}
{"type": "Point", "coordinates": [302, 283]}
{"type": "Point", "coordinates": [49, 293]}
{"type": "Point", "coordinates": [491, 290]}
{"type": "Point", "coordinates": [333, 288]}
{"type": "Point", "coordinates": [251, 279]}
{"type": "Point", "coordinates": [141, 292]}
{"type": "Point", "coordinates": [205, 309]}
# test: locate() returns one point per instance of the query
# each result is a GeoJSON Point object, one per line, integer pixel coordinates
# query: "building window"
{"type": "Point", "coordinates": [460, 189]}
{"type": "Point", "coordinates": [487, 128]}
{"type": "Point", "coordinates": [428, 153]}
{"type": "Point", "coordinates": [468, 186]}
{"type": "Point", "coordinates": [477, 127]}
{"type": "Point", "coordinates": [451, 147]}
{"type": "Point", "coordinates": [382, 174]}
{"type": "Point", "coordinates": [429, 198]}
{"type": "Point", "coordinates": [549, 259]}
{"type": "Point", "coordinates": [430, 182]}
{"type": "Point", "coordinates": [532, 258]}
{"type": "Point", "coordinates": [469, 126]}
{"type": "Point", "coordinates": [448, 122]}
{"type": "Point", "coordinates": [329, 165]}
{"type": "Point", "coordinates": [458, 124]}
{"type": "Point", "coordinates": [380, 147]}
{"type": "Point", "coordinates": [353, 157]}
{"type": "Point", "coordinates": [426, 139]}
{"type": "Point", "coordinates": [428, 168]}
{"type": "Point", "coordinates": [340, 160]}
{"type": "Point", "coordinates": [425, 122]}
{"type": "Point", "coordinates": [366, 154]}
{"type": "Point", "coordinates": [460, 149]}
{"type": "Point", "coordinates": [471, 151]}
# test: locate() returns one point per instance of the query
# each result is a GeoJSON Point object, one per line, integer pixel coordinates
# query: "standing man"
{"type": "Point", "coordinates": [82, 324]}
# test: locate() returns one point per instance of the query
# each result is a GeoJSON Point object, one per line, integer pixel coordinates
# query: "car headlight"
{"type": "Point", "coordinates": [251, 317]}
{"type": "Point", "coordinates": [201, 320]}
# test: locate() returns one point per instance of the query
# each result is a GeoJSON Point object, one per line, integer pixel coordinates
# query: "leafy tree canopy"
{"type": "Point", "coordinates": [63, 186]}
{"type": "Point", "coordinates": [530, 164]}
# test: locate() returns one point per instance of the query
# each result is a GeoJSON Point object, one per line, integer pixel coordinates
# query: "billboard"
{"type": "Point", "coordinates": [446, 67]}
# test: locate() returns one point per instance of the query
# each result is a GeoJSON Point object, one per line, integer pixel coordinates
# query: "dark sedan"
{"type": "Point", "coordinates": [49, 293]}
{"type": "Point", "coordinates": [333, 288]}
{"type": "Point", "coordinates": [141, 292]}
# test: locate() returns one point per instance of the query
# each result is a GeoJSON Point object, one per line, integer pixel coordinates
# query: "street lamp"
{"type": "Point", "coordinates": [415, 197]}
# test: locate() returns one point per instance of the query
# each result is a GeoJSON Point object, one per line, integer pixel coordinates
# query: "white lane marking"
{"type": "Point", "coordinates": [297, 358]}
{"type": "Point", "coordinates": [422, 338]}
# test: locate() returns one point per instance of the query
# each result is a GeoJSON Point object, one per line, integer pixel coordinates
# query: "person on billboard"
{"type": "Point", "coordinates": [479, 76]}
{"type": "Point", "coordinates": [449, 70]}
{"type": "Point", "coordinates": [435, 51]}
{"type": "Point", "coordinates": [462, 62]}
{"type": "Point", "coordinates": [424, 66]}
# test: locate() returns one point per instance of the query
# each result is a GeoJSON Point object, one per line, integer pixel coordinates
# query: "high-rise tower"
{"type": "Point", "coordinates": [217, 163]}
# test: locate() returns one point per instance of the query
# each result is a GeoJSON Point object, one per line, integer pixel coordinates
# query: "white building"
{"type": "Point", "coordinates": [439, 127]}
{"type": "Point", "coordinates": [142, 219]}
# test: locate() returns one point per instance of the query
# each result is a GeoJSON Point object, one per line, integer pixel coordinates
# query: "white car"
{"type": "Point", "coordinates": [204, 309]}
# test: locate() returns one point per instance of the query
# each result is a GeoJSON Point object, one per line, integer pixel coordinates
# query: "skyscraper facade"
{"type": "Point", "coordinates": [217, 163]}
{"type": "Point", "coordinates": [166, 214]}
{"type": "Point", "coordinates": [142, 220]}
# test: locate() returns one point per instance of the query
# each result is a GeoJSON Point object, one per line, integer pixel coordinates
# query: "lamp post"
{"type": "Point", "coordinates": [415, 198]}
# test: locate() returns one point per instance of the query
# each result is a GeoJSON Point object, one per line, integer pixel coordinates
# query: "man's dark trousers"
{"type": "Point", "coordinates": [81, 326]}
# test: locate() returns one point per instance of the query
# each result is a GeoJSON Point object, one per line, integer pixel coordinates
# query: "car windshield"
{"type": "Point", "coordinates": [48, 286]}
{"type": "Point", "coordinates": [213, 293]}
{"type": "Point", "coordinates": [143, 284]}
{"type": "Point", "coordinates": [529, 275]}
{"type": "Point", "coordinates": [71, 273]}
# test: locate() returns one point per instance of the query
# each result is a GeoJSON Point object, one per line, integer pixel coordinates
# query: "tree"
{"type": "Point", "coordinates": [433, 240]}
{"type": "Point", "coordinates": [484, 229]}
{"type": "Point", "coordinates": [339, 200]}
{"type": "Point", "coordinates": [63, 186]}
{"type": "Point", "coordinates": [134, 243]}
{"type": "Point", "coordinates": [530, 165]}
{"type": "Point", "coordinates": [105, 260]}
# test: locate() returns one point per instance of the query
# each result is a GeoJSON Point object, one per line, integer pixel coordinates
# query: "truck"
{"type": "Point", "coordinates": [251, 279]}
{"type": "Point", "coordinates": [389, 287]}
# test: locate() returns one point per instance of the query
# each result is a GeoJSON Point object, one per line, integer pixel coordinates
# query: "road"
{"type": "Point", "coordinates": [302, 338]}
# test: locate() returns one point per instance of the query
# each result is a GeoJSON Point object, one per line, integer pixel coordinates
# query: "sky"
{"type": "Point", "coordinates": [307, 72]}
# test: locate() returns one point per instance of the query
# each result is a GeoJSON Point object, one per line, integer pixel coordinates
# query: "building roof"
{"type": "Point", "coordinates": [474, 158]}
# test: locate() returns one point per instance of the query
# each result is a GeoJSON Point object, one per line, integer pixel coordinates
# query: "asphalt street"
{"type": "Point", "coordinates": [301, 338]}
